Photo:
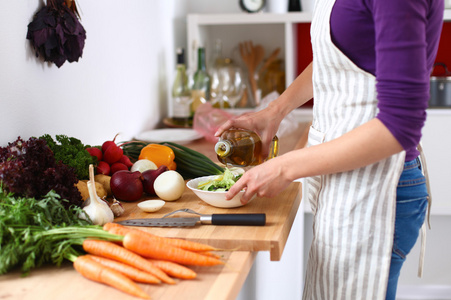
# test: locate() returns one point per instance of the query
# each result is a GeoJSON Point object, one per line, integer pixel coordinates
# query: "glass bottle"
{"type": "Point", "coordinates": [239, 147]}
{"type": "Point", "coordinates": [217, 60]}
{"type": "Point", "coordinates": [200, 90]}
{"type": "Point", "coordinates": [181, 94]}
{"type": "Point", "coordinates": [294, 5]}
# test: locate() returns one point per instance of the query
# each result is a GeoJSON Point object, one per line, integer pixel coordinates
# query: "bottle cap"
{"type": "Point", "coordinates": [180, 56]}
{"type": "Point", "coordinates": [222, 148]}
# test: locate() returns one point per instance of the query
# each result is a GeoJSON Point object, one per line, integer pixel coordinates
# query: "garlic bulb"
{"type": "Point", "coordinates": [98, 210]}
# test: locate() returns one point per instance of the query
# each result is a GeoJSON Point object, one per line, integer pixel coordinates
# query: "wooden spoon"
{"type": "Point", "coordinates": [272, 57]}
{"type": "Point", "coordinates": [252, 56]}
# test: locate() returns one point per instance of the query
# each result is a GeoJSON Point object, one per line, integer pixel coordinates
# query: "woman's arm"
{"type": "Point", "coordinates": [362, 146]}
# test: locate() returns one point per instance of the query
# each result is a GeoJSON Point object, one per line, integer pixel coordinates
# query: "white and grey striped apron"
{"type": "Point", "coordinates": [354, 212]}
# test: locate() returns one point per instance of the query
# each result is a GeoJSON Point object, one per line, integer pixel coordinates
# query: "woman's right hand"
{"type": "Point", "coordinates": [264, 122]}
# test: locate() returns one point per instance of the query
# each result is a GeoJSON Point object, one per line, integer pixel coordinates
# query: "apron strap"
{"type": "Point", "coordinates": [428, 186]}
{"type": "Point", "coordinates": [423, 228]}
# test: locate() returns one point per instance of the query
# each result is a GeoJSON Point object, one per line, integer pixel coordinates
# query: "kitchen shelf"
{"type": "Point", "coordinates": [242, 18]}
{"type": "Point", "coordinates": [264, 18]}
{"type": "Point", "coordinates": [267, 29]}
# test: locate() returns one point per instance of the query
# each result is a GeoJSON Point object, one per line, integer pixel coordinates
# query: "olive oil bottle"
{"type": "Point", "coordinates": [242, 148]}
{"type": "Point", "coordinates": [181, 94]}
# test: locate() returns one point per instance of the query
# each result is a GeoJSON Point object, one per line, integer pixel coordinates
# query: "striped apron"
{"type": "Point", "coordinates": [354, 212]}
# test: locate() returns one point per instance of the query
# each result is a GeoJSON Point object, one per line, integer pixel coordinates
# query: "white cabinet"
{"type": "Point", "coordinates": [437, 148]}
{"type": "Point", "coordinates": [269, 30]}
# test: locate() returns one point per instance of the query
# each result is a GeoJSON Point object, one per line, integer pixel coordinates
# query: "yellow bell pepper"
{"type": "Point", "coordinates": [159, 155]}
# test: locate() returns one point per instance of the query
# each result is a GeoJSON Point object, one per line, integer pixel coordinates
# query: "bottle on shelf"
{"type": "Point", "coordinates": [181, 94]}
{"type": "Point", "coordinates": [239, 147]}
{"type": "Point", "coordinates": [217, 59]}
{"type": "Point", "coordinates": [201, 89]}
{"type": "Point", "coordinates": [294, 5]}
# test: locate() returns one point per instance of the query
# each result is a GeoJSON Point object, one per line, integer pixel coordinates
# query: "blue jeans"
{"type": "Point", "coordinates": [411, 205]}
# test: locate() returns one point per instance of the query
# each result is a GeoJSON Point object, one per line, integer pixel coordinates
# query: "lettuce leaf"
{"type": "Point", "coordinates": [220, 183]}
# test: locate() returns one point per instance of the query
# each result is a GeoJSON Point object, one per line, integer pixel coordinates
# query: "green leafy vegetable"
{"type": "Point", "coordinates": [34, 232]}
{"type": "Point", "coordinates": [220, 183]}
{"type": "Point", "coordinates": [71, 152]}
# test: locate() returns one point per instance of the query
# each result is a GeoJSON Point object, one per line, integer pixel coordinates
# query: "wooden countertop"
{"type": "Point", "coordinates": [215, 283]}
{"type": "Point", "coordinates": [51, 283]}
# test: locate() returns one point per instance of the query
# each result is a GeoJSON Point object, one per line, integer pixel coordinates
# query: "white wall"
{"type": "Point", "coordinates": [119, 85]}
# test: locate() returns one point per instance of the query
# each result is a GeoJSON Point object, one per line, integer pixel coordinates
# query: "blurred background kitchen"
{"type": "Point", "coordinates": [123, 84]}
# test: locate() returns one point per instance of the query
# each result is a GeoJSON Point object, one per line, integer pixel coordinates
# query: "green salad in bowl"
{"type": "Point", "coordinates": [220, 183]}
{"type": "Point", "coordinates": [212, 189]}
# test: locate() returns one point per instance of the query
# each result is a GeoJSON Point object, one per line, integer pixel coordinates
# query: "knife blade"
{"type": "Point", "coordinates": [214, 219]}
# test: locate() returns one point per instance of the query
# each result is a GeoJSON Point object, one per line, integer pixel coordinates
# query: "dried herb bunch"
{"type": "Point", "coordinates": [56, 33]}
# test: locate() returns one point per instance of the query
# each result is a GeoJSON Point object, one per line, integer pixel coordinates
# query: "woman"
{"type": "Point", "coordinates": [370, 80]}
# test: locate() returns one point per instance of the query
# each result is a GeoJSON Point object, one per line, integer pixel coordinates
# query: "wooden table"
{"type": "Point", "coordinates": [215, 283]}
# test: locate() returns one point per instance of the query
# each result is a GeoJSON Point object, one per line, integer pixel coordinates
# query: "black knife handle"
{"type": "Point", "coordinates": [239, 219]}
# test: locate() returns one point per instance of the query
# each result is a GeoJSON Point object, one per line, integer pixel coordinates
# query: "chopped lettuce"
{"type": "Point", "coordinates": [220, 183]}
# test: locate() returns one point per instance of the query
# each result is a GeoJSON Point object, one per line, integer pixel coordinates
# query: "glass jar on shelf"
{"type": "Point", "coordinates": [272, 78]}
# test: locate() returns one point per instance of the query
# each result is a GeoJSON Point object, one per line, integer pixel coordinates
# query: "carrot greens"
{"type": "Point", "coordinates": [34, 232]}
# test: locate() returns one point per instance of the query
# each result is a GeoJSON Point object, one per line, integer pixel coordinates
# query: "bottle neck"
{"type": "Point", "coordinates": [181, 67]}
{"type": "Point", "coordinates": [223, 148]}
{"type": "Point", "coordinates": [201, 59]}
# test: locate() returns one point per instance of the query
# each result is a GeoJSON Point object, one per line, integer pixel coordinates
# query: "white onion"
{"type": "Point", "coordinates": [169, 185]}
{"type": "Point", "coordinates": [143, 165]}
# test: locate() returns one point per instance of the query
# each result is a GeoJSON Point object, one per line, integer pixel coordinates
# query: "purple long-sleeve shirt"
{"type": "Point", "coordinates": [397, 41]}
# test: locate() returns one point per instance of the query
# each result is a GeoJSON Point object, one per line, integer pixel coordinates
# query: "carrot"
{"type": "Point", "coordinates": [120, 230]}
{"type": "Point", "coordinates": [173, 269]}
{"type": "Point", "coordinates": [111, 225]}
{"type": "Point", "coordinates": [208, 253]}
{"type": "Point", "coordinates": [150, 247]}
{"type": "Point", "coordinates": [99, 273]}
{"type": "Point", "coordinates": [112, 251]}
{"type": "Point", "coordinates": [129, 271]}
{"type": "Point", "coordinates": [185, 244]}
{"type": "Point", "coordinates": [181, 243]}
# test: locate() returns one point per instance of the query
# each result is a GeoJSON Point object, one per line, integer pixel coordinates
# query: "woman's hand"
{"type": "Point", "coordinates": [265, 180]}
{"type": "Point", "coordinates": [264, 122]}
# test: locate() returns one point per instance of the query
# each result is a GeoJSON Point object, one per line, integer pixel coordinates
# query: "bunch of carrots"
{"type": "Point", "coordinates": [141, 257]}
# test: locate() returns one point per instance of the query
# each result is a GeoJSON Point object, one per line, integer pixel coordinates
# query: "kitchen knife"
{"type": "Point", "coordinates": [214, 219]}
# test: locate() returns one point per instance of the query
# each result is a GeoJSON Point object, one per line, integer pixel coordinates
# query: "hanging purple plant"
{"type": "Point", "coordinates": [56, 34]}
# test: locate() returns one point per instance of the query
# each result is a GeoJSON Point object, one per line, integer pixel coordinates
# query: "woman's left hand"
{"type": "Point", "coordinates": [265, 180]}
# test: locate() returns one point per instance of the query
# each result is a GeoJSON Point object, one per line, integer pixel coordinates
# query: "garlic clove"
{"type": "Point", "coordinates": [117, 208]}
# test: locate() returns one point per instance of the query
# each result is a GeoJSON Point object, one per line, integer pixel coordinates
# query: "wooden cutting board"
{"type": "Point", "coordinates": [280, 213]}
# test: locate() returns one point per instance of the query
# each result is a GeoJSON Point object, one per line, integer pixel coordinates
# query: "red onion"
{"type": "Point", "coordinates": [126, 185]}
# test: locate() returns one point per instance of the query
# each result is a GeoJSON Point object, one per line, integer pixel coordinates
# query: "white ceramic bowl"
{"type": "Point", "coordinates": [216, 199]}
